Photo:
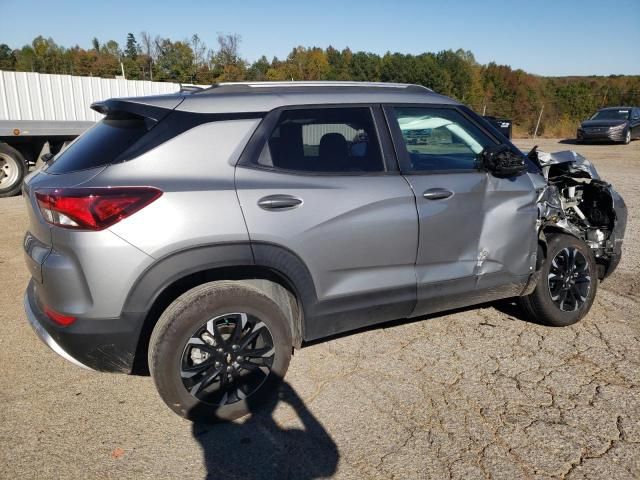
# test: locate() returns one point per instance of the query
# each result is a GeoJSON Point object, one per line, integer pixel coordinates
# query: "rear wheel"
{"type": "Point", "coordinates": [12, 170]}
{"type": "Point", "coordinates": [567, 286]}
{"type": "Point", "coordinates": [218, 350]}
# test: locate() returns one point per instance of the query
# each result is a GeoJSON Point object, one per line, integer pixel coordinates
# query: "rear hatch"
{"type": "Point", "coordinates": [125, 132]}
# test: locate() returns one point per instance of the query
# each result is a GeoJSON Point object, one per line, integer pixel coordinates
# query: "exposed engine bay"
{"type": "Point", "coordinates": [576, 200]}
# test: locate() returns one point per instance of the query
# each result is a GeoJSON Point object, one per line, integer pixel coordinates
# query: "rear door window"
{"type": "Point", "coordinates": [101, 145]}
{"type": "Point", "coordinates": [324, 140]}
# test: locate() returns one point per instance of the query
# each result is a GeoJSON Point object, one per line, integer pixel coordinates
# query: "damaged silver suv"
{"type": "Point", "coordinates": [208, 233]}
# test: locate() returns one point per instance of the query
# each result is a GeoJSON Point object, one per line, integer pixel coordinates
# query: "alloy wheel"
{"type": "Point", "coordinates": [569, 279]}
{"type": "Point", "coordinates": [227, 359]}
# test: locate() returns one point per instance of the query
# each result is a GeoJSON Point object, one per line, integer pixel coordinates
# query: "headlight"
{"type": "Point", "coordinates": [622, 126]}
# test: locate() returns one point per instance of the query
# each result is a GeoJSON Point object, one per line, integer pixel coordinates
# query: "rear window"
{"type": "Point", "coordinates": [101, 145]}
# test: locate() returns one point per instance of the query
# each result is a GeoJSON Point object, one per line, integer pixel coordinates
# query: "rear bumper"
{"type": "Point", "coordinates": [44, 335]}
{"type": "Point", "coordinates": [107, 345]}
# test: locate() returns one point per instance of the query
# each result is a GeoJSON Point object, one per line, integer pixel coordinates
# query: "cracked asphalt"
{"type": "Point", "coordinates": [475, 393]}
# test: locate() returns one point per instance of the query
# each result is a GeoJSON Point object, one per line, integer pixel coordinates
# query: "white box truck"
{"type": "Point", "coordinates": [40, 113]}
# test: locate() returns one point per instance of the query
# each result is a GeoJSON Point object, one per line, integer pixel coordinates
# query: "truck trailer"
{"type": "Point", "coordinates": [41, 113]}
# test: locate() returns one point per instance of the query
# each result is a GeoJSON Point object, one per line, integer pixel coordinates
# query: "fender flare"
{"type": "Point", "coordinates": [178, 265]}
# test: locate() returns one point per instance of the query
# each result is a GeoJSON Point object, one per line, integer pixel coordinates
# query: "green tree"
{"type": "Point", "coordinates": [339, 62]}
{"type": "Point", "coordinates": [7, 58]}
{"type": "Point", "coordinates": [175, 61]}
{"type": "Point", "coordinates": [258, 69]}
{"type": "Point", "coordinates": [131, 50]}
{"type": "Point", "coordinates": [365, 66]}
{"type": "Point", "coordinates": [228, 66]}
{"type": "Point", "coordinates": [307, 64]}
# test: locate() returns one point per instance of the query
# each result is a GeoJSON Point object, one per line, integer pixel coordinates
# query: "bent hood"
{"type": "Point", "coordinates": [573, 161]}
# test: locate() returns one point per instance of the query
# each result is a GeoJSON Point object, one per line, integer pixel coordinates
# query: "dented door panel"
{"type": "Point", "coordinates": [477, 245]}
{"type": "Point", "coordinates": [508, 239]}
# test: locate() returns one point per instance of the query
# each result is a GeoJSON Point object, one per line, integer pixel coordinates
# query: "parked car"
{"type": "Point", "coordinates": [613, 124]}
{"type": "Point", "coordinates": [208, 234]}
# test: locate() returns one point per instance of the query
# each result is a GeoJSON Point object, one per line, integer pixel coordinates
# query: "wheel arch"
{"type": "Point", "coordinates": [275, 270]}
{"type": "Point", "coordinates": [602, 264]}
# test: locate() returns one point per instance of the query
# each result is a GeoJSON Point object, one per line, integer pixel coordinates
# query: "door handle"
{"type": "Point", "coordinates": [279, 202]}
{"type": "Point", "coordinates": [437, 194]}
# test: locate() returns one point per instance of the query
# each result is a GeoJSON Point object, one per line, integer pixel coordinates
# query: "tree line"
{"type": "Point", "coordinates": [490, 89]}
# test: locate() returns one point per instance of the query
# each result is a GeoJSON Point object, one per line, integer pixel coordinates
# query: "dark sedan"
{"type": "Point", "coordinates": [614, 124]}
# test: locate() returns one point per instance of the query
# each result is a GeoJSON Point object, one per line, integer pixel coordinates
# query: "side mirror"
{"type": "Point", "coordinates": [46, 158]}
{"type": "Point", "coordinates": [502, 161]}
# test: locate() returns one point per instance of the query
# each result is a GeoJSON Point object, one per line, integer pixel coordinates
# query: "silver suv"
{"type": "Point", "coordinates": [206, 234]}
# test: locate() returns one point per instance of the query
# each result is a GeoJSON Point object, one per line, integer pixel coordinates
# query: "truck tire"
{"type": "Point", "coordinates": [219, 350]}
{"type": "Point", "coordinates": [12, 170]}
{"type": "Point", "coordinates": [567, 286]}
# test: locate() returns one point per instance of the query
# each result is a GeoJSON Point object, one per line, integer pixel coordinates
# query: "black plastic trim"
{"type": "Point", "coordinates": [167, 270]}
{"type": "Point", "coordinates": [106, 344]}
{"type": "Point", "coordinates": [320, 319]}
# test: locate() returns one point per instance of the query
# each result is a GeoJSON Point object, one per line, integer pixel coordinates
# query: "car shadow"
{"type": "Point", "coordinates": [259, 448]}
{"type": "Point", "coordinates": [510, 307]}
{"type": "Point", "coordinates": [573, 141]}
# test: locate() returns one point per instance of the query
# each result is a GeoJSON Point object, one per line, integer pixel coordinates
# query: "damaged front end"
{"type": "Point", "coordinates": [575, 200]}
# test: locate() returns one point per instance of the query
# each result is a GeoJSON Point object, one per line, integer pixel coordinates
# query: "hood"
{"type": "Point", "coordinates": [572, 161]}
{"type": "Point", "coordinates": [603, 123]}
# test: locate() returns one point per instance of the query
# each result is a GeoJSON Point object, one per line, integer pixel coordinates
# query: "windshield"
{"type": "Point", "coordinates": [612, 114]}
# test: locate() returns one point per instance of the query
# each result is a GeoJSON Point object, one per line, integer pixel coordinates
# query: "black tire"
{"type": "Point", "coordinates": [12, 170]}
{"type": "Point", "coordinates": [189, 314]}
{"type": "Point", "coordinates": [627, 137]}
{"type": "Point", "coordinates": [541, 306]}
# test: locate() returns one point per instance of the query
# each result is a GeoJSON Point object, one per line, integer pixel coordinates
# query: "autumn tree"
{"type": "Point", "coordinates": [495, 89]}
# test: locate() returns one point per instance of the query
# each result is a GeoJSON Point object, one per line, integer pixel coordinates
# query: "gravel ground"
{"type": "Point", "coordinates": [470, 394]}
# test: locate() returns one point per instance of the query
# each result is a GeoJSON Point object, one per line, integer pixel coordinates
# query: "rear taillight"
{"type": "Point", "coordinates": [92, 208]}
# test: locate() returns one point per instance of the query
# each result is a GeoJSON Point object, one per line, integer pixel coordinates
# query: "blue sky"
{"type": "Point", "coordinates": [540, 36]}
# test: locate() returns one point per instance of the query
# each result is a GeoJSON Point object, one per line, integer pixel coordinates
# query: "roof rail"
{"type": "Point", "coordinates": [321, 83]}
{"type": "Point", "coordinates": [190, 88]}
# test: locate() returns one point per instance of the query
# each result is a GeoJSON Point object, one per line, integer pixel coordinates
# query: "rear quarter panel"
{"type": "Point", "coordinates": [199, 206]}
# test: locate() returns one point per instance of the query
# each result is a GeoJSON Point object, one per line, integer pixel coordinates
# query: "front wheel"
{"type": "Point", "coordinates": [627, 137]}
{"type": "Point", "coordinates": [218, 350]}
{"type": "Point", "coordinates": [567, 286]}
